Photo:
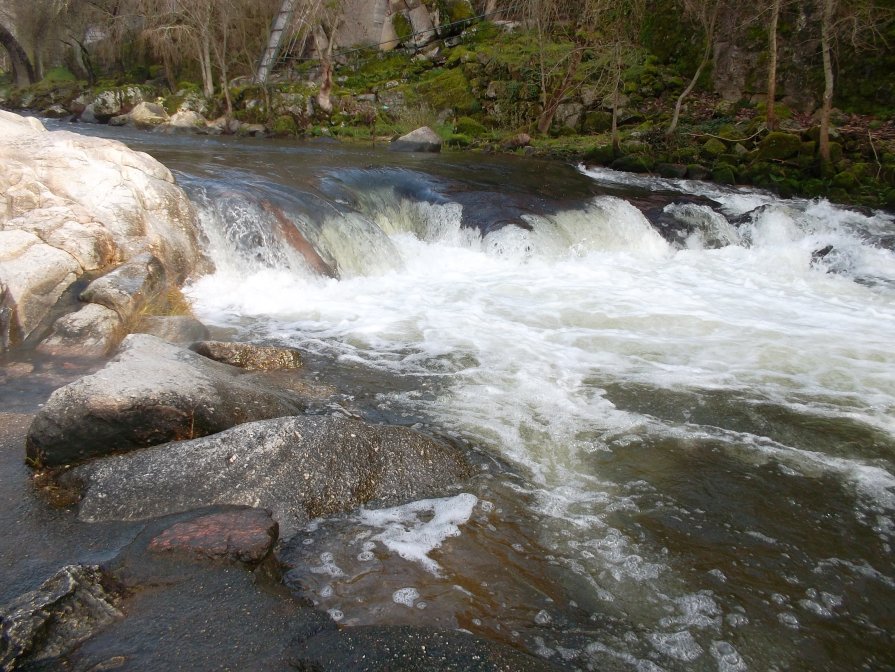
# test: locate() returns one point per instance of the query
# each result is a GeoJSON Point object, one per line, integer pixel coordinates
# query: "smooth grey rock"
{"type": "Point", "coordinates": [146, 115]}
{"type": "Point", "coordinates": [151, 393]}
{"type": "Point", "coordinates": [35, 275]}
{"type": "Point", "coordinates": [176, 329]}
{"type": "Point", "coordinates": [421, 140]}
{"type": "Point", "coordinates": [93, 331]}
{"type": "Point", "coordinates": [298, 467]}
{"type": "Point", "coordinates": [249, 356]}
{"type": "Point", "coordinates": [187, 119]}
{"type": "Point", "coordinates": [409, 649]}
{"type": "Point", "coordinates": [46, 623]}
{"type": "Point", "coordinates": [129, 287]}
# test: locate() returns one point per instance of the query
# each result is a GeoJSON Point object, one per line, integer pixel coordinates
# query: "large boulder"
{"type": "Point", "coordinates": [92, 331]}
{"type": "Point", "coordinates": [72, 204]}
{"type": "Point", "coordinates": [297, 467]}
{"type": "Point", "coordinates": [152, 392]}
{"type": "Point", "coordinates": [68, 608]}
{"type": "Point", "coordinates": [421, 140]}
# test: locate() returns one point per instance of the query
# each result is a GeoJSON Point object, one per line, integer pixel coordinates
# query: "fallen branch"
{"type": "Point", "coordinates": [718, 137]}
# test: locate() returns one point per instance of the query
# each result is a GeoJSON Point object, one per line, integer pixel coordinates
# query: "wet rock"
{"type": "Point", "coordinates": [93, 331]}
{"type": "Point", "coordinates": [129, 287]}
{"type": "Point", "coordinates": [421, 140]}
{"type": "Point", "coordinates": [68, 608]}
{"type": "Point", "coordinates": [176, 329]}
{"type": "Point", "coordinates": [298, 467]}
{"type": "Point", "coordinates": [409, 649]}
{"type": "Point", "coordinates": [151, 393]}
{"type": "Point", "coordinates": [248, 355]}
{"type": "Point", "coordinates": [243, 535]}
{"type": "Point", "coordinates": [147, 115]}
{"type": "Point", "coordinates": [7, 328]}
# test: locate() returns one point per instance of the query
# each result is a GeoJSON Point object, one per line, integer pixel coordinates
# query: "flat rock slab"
{"type": "Point", "coordinates": [243, 535]}
{"type": "Point", "coordinates": [408, 649]}
{"type": "Point", "coordinates": [153, 392]}
{"type": "Point", "coordinates": [249, 356]}
{"type": "Point", "coordinates": [68, 608]}
{"type": "Point", "coordinates": [298, 467]}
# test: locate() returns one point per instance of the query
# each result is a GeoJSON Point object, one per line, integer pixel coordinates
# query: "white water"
{"type": "Point", "coordinates": [526, 330]}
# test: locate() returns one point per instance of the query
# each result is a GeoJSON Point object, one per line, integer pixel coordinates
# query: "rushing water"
{"type": "Point", "coordinates": [688, 393]}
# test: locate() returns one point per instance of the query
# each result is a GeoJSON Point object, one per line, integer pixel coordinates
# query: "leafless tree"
{"type": "Point", "coordinates": [705, 14]}
{"type": "Point", "coordinates": [856, 22]}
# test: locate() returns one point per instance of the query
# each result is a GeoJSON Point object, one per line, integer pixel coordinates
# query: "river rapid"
{"type": "Point", "coordinates": [682, 396]}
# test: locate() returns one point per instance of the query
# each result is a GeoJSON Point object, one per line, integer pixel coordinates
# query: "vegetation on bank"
{"type": "Point", "coordinates": [487, 89]}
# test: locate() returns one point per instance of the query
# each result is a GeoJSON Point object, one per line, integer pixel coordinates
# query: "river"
{"type": "Point", "coordinates": [682, 396]}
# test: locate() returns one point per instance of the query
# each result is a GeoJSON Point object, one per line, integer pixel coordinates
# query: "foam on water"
{"type": "Point", "coordinates": [407, 532]}
{"type": "Point", "coordinates": [791, 307]}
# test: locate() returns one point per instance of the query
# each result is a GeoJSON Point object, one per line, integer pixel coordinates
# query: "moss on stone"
{"type": "Point", "coordinates": [449, 89]}
{"type": "Point", "coordinates": [779, 146]}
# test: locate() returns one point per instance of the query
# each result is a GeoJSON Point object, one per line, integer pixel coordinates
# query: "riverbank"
{"type": "Point", "coordinates": [479, 91]}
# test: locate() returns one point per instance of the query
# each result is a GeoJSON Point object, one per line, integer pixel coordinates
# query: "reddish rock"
{"type": "Point", "coordinates": [245, 536]}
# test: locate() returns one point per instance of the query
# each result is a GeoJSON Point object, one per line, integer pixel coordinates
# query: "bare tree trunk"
{"type": "Point", "coordinates": [771, 112]}
{"type": "Point", "coordinates": [546, 118]}
{"type": "Point", "coordinates": [205, 64]}
{"type": "Point", "coordinates": [706, 56]}
{"type": "Point", "coordinates": [616, 147]}
{"type": "Point", "coordinates": [326, 61]}
{"type": "Point", "coordinates": [827, 106]}
{"type": "Point", "coordinates": [22, 70]}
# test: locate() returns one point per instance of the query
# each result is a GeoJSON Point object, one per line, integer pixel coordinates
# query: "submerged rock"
{"type": "Point", "coordinates": [151, 393]}
{"type": "Point", "coordinates": [421, 140]}
{"type": "Point", "coordinates": [410, 649]}
{"type": "Point", "coordinates": [249, 356]}
{"type": "Point", "coordinates": [298, 467]}
{"type": "Point", "coordinates": [68, 608]}
{"type": "Point", "coordinates": [244, 535]}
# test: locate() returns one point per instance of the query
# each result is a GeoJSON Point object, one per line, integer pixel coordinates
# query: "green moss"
{"type": "Point", "coordinates": [632, 164]}
{"type": "Point", "coordinates": [448, 89]}
{"type": "Point", "coordinates": [724, 174]}
{"type": "Point", "coordinates": [284, 125]}
{"type": "Point", "coordinates": [713, 148]}
{"type": "Point", "coordinates": [469, 126]}
{"type": "Point", "coordinates": [402, 26]}
{"type": "Point", "coordinates": [601, 154]}
{"type": "Point", "coordinates": [779, 146]}
{"type": "Point", "coordinates": [55, 75]}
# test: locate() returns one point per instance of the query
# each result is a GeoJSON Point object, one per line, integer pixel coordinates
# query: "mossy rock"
{"type": "Point", "coordinates": [724, 174]}
{"type": "Point", "coordinates": [845, 180]}
{"type": "Point", "coordinates": [779, 146]}
{"type": "Point", "coordinates": [448, 90]}
{"type": "Point", "coordinates": [403, 27]}
{"type": "Point", "coordinates": [597, 122]}
{"type": "Point", "coordinates": [469, 127]}
{"type": "Point", "coordinates": [601, 154]}
{"type": "Point", "coordinates": [284, 125]}
{"type": "Point", "coordinates": [813, 188]}
{"type": "Point", "coordinates": [835, 152]}
{"type": "Point", "coordinates": [697, 172]}
{"type": "Point", "coordinates": [809, 148]}
{"type": "Point", "coordinates": [632, 164]}
{"type": "Point", "coordinates": [672, 170]}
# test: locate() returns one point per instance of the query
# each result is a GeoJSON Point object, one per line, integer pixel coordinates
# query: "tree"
{"type": "Point", "coordinates": [856, 22]}
{"type": "Point", "coordinates": [705, 13]}
{"type": "Point", "coordinates": [771, 112]}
